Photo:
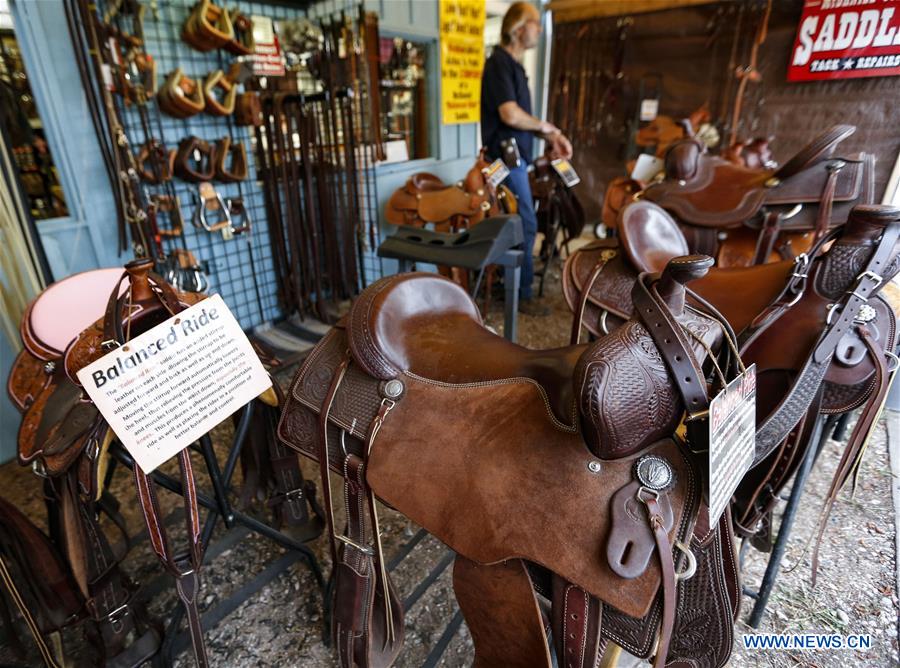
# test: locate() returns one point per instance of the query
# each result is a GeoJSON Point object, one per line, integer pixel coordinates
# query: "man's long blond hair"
{"type": "Point", "coordinates": [515, 17]}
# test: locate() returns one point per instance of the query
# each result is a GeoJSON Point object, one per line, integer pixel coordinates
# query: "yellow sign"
{"type": "Point", "coordinates": [462, 60]}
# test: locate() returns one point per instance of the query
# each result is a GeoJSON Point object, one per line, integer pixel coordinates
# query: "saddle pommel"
{"type": "Point", "coordinates": [139, 275]}
{"type": "Point", "coordinates": [678, 272]}
{"type": "Point", "coordinates": [864, 217]}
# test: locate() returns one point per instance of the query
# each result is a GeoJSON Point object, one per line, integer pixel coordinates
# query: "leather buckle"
{"type": "Point", "coordinates": [868, 274]}
{"type": "Point", "coordinates": [801, 268]}
{"type": "Point", "coordinates": [109, 345]}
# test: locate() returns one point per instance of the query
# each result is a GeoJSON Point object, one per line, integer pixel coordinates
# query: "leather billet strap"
{"type": "Point", "coordinates": [676, 353]}
{"type": "Point", "coordinates": [577, 623]}
{"type": "Point", "coordinates": [798, 399]}
{"type": "Point", "coordinates": [667, 566]}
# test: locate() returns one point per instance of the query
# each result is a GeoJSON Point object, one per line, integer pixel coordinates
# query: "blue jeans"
{"type": "Point", "coordinates": [517, 181]}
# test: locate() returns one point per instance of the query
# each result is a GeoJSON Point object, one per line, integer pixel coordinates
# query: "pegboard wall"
{"type": "Point", "coordinates": [240, 269]}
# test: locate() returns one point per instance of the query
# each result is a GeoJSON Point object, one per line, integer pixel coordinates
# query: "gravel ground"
{"type": "Point", "coordinates": [281, 622]}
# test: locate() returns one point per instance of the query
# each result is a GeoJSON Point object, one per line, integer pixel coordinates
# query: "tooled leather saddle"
{"type": "Point", "coordinates": [745, 216]}
{"type": "Point", "coordinates": [555, 475]}
{"type": "Point", "coordinates": [817, 329]}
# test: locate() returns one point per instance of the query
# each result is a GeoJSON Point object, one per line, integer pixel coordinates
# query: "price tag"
{"type": "Point", "coordinates": [496, 172]}
{"type": "Point", "coordinates": [649, 109]}
{"type": "Point", "coordinates": [732, 439]}
{"type": "Point", "coordinates": [646, 167]}
{"type": "Point", "coordinates": [566, 172]}
{"type": "Point", "coordinates": [164, 389]}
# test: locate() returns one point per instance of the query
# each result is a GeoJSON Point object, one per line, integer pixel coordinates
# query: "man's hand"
{"type": "Point", "coordinates": [559, 146]}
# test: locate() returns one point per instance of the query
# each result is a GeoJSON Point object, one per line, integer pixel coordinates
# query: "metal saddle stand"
{"type": "Point", "coordinates": [493, 241]}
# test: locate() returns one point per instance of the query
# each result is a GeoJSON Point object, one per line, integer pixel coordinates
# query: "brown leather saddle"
{"type": "Point", "coordinates": [786, 314]}
{"type": "Point", "coordinates": [425, 198]}
{"type": "Point", "coordinates": [555, 475]}
{"type": "Point", "coordinates": [755, 207]}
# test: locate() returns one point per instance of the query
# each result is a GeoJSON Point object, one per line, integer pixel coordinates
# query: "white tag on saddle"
{"type": "Point", "coordinates": [496, 172]}
{"type": "Point", "coordinates": [566, 172]}
{"type": "Point", "coordinates": [646, 167]}
{"type": "Point", "coordinates": [732, 440]}
{"type": "Point", "coordinates": [165, 388]}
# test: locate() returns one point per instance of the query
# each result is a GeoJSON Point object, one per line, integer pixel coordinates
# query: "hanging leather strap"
{"type": "Point", "coordinates": [184, 566]}
{"type": "Point", "coordinates": [798, 399]}
{"type": "Point", "coordinates": [765, 242]}
{"type": "Point", "coordinates": [856, 444]}
{"type": "Point", "coordinates": [578, 322]}
{"type": "Point", "coordinates": [826, 201]}
{"type": "Point", "coordinates": [667, 566]}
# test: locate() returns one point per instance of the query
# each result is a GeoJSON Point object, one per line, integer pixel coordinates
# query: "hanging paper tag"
{"type": "Point", "coordinates": [566, 172]}
{"type": "Point", "coordinates": [646, 167]}
{"type": "Point", "coordinates": [732, 439]}
{"type": "Point", "coordinates": [496, 172]}
{"type": "Point", "coordinates": [649, 109]}
{"type": "Point", "coordinates": [164, 389]}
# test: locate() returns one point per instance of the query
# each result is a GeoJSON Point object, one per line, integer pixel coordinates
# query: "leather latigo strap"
{"type": "Point", "coordinates": [367, 618]}
{"type": "Point", "coordinates": [672, 343]}
{"type": "Point", "coordinates": [796, 402]}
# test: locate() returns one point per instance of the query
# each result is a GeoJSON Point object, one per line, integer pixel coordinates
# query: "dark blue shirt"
{"type": "Point", "coordinates": [503, 80]}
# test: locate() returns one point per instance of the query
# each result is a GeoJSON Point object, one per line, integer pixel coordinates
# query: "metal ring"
{"type": "Point", "coordinates": [892, 357]}
{"type": "Point", "coordinates": [691, 565]}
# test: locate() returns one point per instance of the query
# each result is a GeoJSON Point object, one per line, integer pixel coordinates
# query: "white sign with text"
{"type": "Point", "coordinates": [164, 389]}
{"type": "Point", "coordinates": [732, 439]}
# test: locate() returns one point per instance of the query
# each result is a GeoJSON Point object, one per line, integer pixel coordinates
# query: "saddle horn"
{"type": "Point", "coordinates": [678, 272]}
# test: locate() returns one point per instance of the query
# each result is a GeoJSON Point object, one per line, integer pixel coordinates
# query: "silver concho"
{"type": "Point", "coordinates": [392, 389]}
{"type": "Point", "coordinates": [865, 314]}
{"type": "Point", "coordinates": [654, 472]}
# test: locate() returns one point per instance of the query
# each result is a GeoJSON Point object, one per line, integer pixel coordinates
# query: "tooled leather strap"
{"type": "Point", "coordinates": [675, 351]}
{"type": "Point", "coordinates": [858, 440]}
{"type": "Point", "coordinates": [798, 399]}
{"type": "Point", "coordinates": [578, 322]}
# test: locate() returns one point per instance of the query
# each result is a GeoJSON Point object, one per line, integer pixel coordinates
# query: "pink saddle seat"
{"type": "Point", "coordinates": [65, 309]}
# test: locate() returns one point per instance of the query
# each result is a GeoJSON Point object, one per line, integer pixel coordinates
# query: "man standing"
{"type": "Point", "coordinates": [506, 114]}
